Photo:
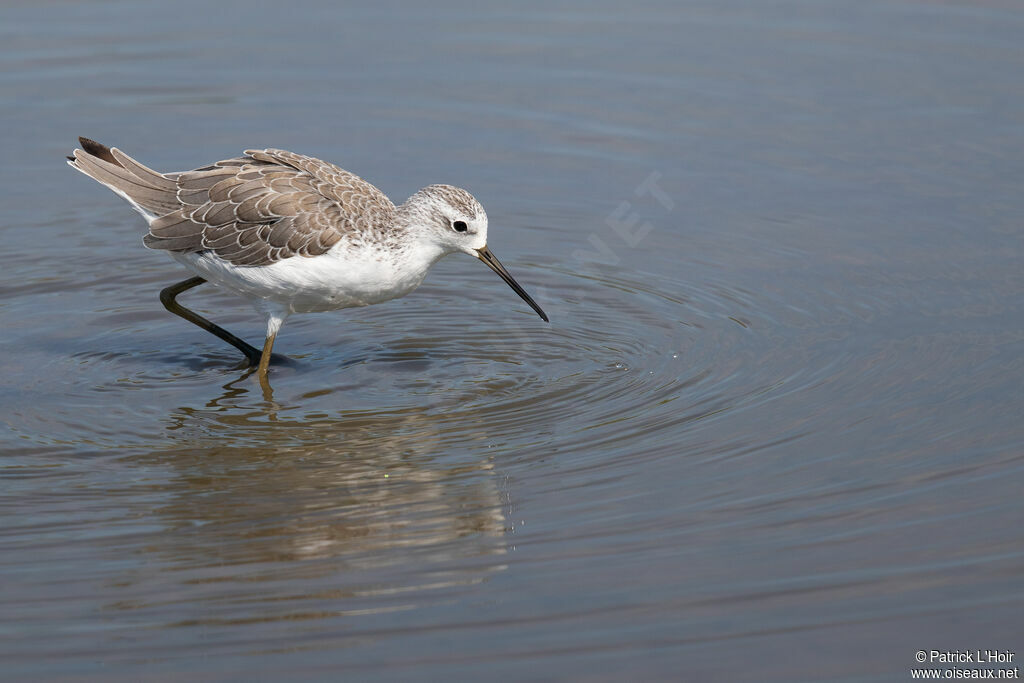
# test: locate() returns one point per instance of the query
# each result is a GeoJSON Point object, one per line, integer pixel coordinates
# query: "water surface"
{"type": "Point", "coordinates": [771, 433]}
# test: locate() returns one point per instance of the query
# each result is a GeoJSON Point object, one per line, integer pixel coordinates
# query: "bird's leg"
{"type": "Point", "coordinates": [275, 318]}
{"type": "Point", "coordinates": [261, 371]}
{"type": "Point", "coordinates": [167, 296]}
{"type": "Point", "coordinates": [268, 345]}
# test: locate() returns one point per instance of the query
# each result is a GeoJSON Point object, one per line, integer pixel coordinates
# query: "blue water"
{"type": "Point", "coordinates": [772, 432]}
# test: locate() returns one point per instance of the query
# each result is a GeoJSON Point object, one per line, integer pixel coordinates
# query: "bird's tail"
{"type": "Point", "coordinates": [152, 194]}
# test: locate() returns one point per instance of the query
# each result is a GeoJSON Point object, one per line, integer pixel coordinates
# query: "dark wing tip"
{"type": "Point", "coordinates": [71, 158]}
{"type": "Point", "coordinates": [98, 150]}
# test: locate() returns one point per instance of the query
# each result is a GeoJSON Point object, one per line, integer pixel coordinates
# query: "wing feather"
{"type": "Point", "coordinates": [264, 207]}
{"type": "Point", "coordinates": [177, 224]}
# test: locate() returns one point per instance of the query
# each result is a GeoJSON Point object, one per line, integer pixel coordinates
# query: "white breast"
{"type": "Point", "coordinates": [348, 275]}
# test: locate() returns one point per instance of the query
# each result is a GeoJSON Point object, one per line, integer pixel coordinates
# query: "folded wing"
{"type": "Point", "coordinates": [253, 210]}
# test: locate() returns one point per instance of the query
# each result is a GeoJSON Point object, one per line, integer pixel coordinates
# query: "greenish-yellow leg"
{"type": "Point", "coordinates": [268, 345]}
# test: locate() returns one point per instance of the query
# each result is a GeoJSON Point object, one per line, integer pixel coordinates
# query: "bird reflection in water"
{"type": "Point", "coordinates": [265, 495]}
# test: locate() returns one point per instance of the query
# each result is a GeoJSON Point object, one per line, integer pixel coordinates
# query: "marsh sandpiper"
{"type": "Point", "coordinates": [292, 234]}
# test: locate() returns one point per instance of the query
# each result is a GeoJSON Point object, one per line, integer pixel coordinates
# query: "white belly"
{"type": "Point", "coordinates": [342, 278]}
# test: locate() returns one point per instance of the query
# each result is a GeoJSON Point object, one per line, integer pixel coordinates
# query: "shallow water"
{"type": "Point", "coordinates": [771, 433]}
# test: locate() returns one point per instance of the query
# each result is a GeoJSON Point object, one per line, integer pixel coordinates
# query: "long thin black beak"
{"type": "Point", "coordinates": [485, 255]}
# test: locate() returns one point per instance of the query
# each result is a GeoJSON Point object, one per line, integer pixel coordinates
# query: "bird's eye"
{"type": "Point", "coordinates": [459, 226]}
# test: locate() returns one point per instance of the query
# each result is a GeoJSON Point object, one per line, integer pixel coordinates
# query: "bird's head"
{"type": "Point", "coordinates": [453, 220]}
